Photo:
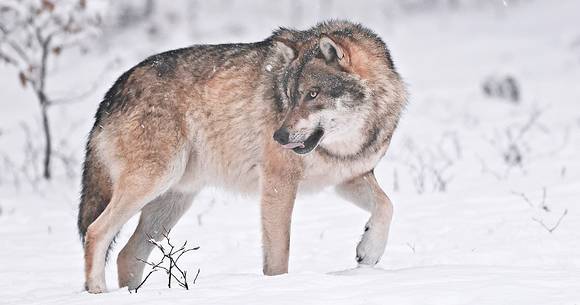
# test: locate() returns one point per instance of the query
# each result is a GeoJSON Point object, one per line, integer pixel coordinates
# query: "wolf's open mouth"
{"type": "Point", "coordinates": [293, 145]}
{"type": "Point", "coordinates": [308, 145]}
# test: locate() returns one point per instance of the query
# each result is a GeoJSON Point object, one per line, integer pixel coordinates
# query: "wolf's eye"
{"type": "Point", "coordinates": [312, 94]}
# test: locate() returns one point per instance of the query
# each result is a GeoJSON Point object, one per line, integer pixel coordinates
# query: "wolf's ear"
{"type": "Point", "coordinates": [331, 50]}
{"type": "Point", "coordinates": [286, 49]}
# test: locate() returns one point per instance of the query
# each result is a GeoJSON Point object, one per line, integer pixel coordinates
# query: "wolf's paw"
{"type": "Point", "coordinates": [372, 245]}
{"type": "Point", "coordinates": [95, 287]}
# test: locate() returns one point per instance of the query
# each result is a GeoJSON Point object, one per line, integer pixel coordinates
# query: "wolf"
{"type": "Point", "coordinates": [296, 112]}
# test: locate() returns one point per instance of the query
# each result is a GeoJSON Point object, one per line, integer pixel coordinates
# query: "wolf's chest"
{"type": "Point", "coordinates": [322, 172]}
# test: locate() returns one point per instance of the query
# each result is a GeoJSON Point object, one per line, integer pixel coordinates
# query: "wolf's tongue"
{"type": "Point", "coordinates": [293, 145]}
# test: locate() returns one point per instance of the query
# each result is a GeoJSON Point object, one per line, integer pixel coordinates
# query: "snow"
{"type": "Point", "coordinates": [462, 232]}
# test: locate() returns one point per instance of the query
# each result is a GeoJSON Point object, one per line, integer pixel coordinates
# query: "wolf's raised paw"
{"type": "Point", "coordinates": [372, 245]}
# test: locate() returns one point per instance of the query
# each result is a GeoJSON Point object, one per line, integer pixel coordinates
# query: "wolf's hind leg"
{"type": "Point", "coordinates": [365, 192]}
{"type": "Point", "coordinates": [131, 192]}
{"type": "Point", "coordinates": [159, 215]}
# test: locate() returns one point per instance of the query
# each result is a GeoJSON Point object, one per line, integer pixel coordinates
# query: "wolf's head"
{"type": "Point", "coordinates": [333, 87]}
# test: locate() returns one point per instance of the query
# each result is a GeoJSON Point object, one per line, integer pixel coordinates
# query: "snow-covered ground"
{"type": "Point", "coordinates": [469, 228]}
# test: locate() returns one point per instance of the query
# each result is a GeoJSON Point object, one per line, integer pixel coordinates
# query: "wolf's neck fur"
{"type": "Point", "coordinates": [349, 150]}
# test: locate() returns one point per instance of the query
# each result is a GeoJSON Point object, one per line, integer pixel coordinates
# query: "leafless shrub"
{"type": "Point", "coordinates": [32, 34]}
{"type": "Point", "coordinates": [514, 143]}
{"type": "Point", "coordinates": [543, 206]}
{"type": "Point", "coordinates": [29, 167]}
{"type": "Point", "coordinates": [168, 262]}
{"type": "Point", "coordinates": [429, 167]}
{"type": "Point", "coordinates": [521, 142]}
{"type": "Point", "coordinates": [66, 154]}
{"type": "Point", "coordinates": [8, 171]}
{"type": "Point", "coordinates": [516, 140]}
{"type": "Point", "coordinates": [26, 169]}
{"type": "Point", "coordinates": [502, 87]}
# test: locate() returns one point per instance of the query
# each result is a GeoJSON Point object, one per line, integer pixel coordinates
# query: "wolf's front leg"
{"type": "Point", "coordinates": [278, 194]}
{"type": "Point", "coordinates": [365, 192]}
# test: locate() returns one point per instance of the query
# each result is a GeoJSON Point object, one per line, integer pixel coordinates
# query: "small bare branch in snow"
{"type": "Point", "coordinates": [411, 246]}
{"type": "Point", "coordinates": [541, 204]}
{"type": "Point", "coordinates": [524, 197]}
{"type": "Point", "coordinates": [168, 262]}
{"type": "Point", "coordinates": [554, 227]}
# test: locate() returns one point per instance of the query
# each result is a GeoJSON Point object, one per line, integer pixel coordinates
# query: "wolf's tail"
{"type": "Point", "coordinates": [96, 189]}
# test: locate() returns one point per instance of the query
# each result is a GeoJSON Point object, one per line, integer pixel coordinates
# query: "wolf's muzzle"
{"type": "Point", "coordinates": [282, 136]}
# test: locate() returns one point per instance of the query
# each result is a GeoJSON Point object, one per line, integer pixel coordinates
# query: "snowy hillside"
{"type": "Point", "coordinates": [486, 190]}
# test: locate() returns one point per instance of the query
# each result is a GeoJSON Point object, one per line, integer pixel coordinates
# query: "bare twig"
{"type": "Point", "coordinates": [532, 120]}
{"type": "Point", "coordinates": [411, 246]}
{"type": "Point", "coordinates": [196, 275]}
{"type": "Point", "coordinates": [541, 204]}
{"type": "Point", "coordinates": [144, 280]}
{"type": "Point", "coordinates": [486, 170]}
{"type": "Point", "coordinates": [554, 227]}
{"type": "Point", "coordinates": [171, 268]}
{"type": "Point", "coordinates": [524, 197]}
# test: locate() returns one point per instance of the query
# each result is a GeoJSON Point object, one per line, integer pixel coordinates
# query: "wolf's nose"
{"type": "Point", "coordinates": [282, 135]}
